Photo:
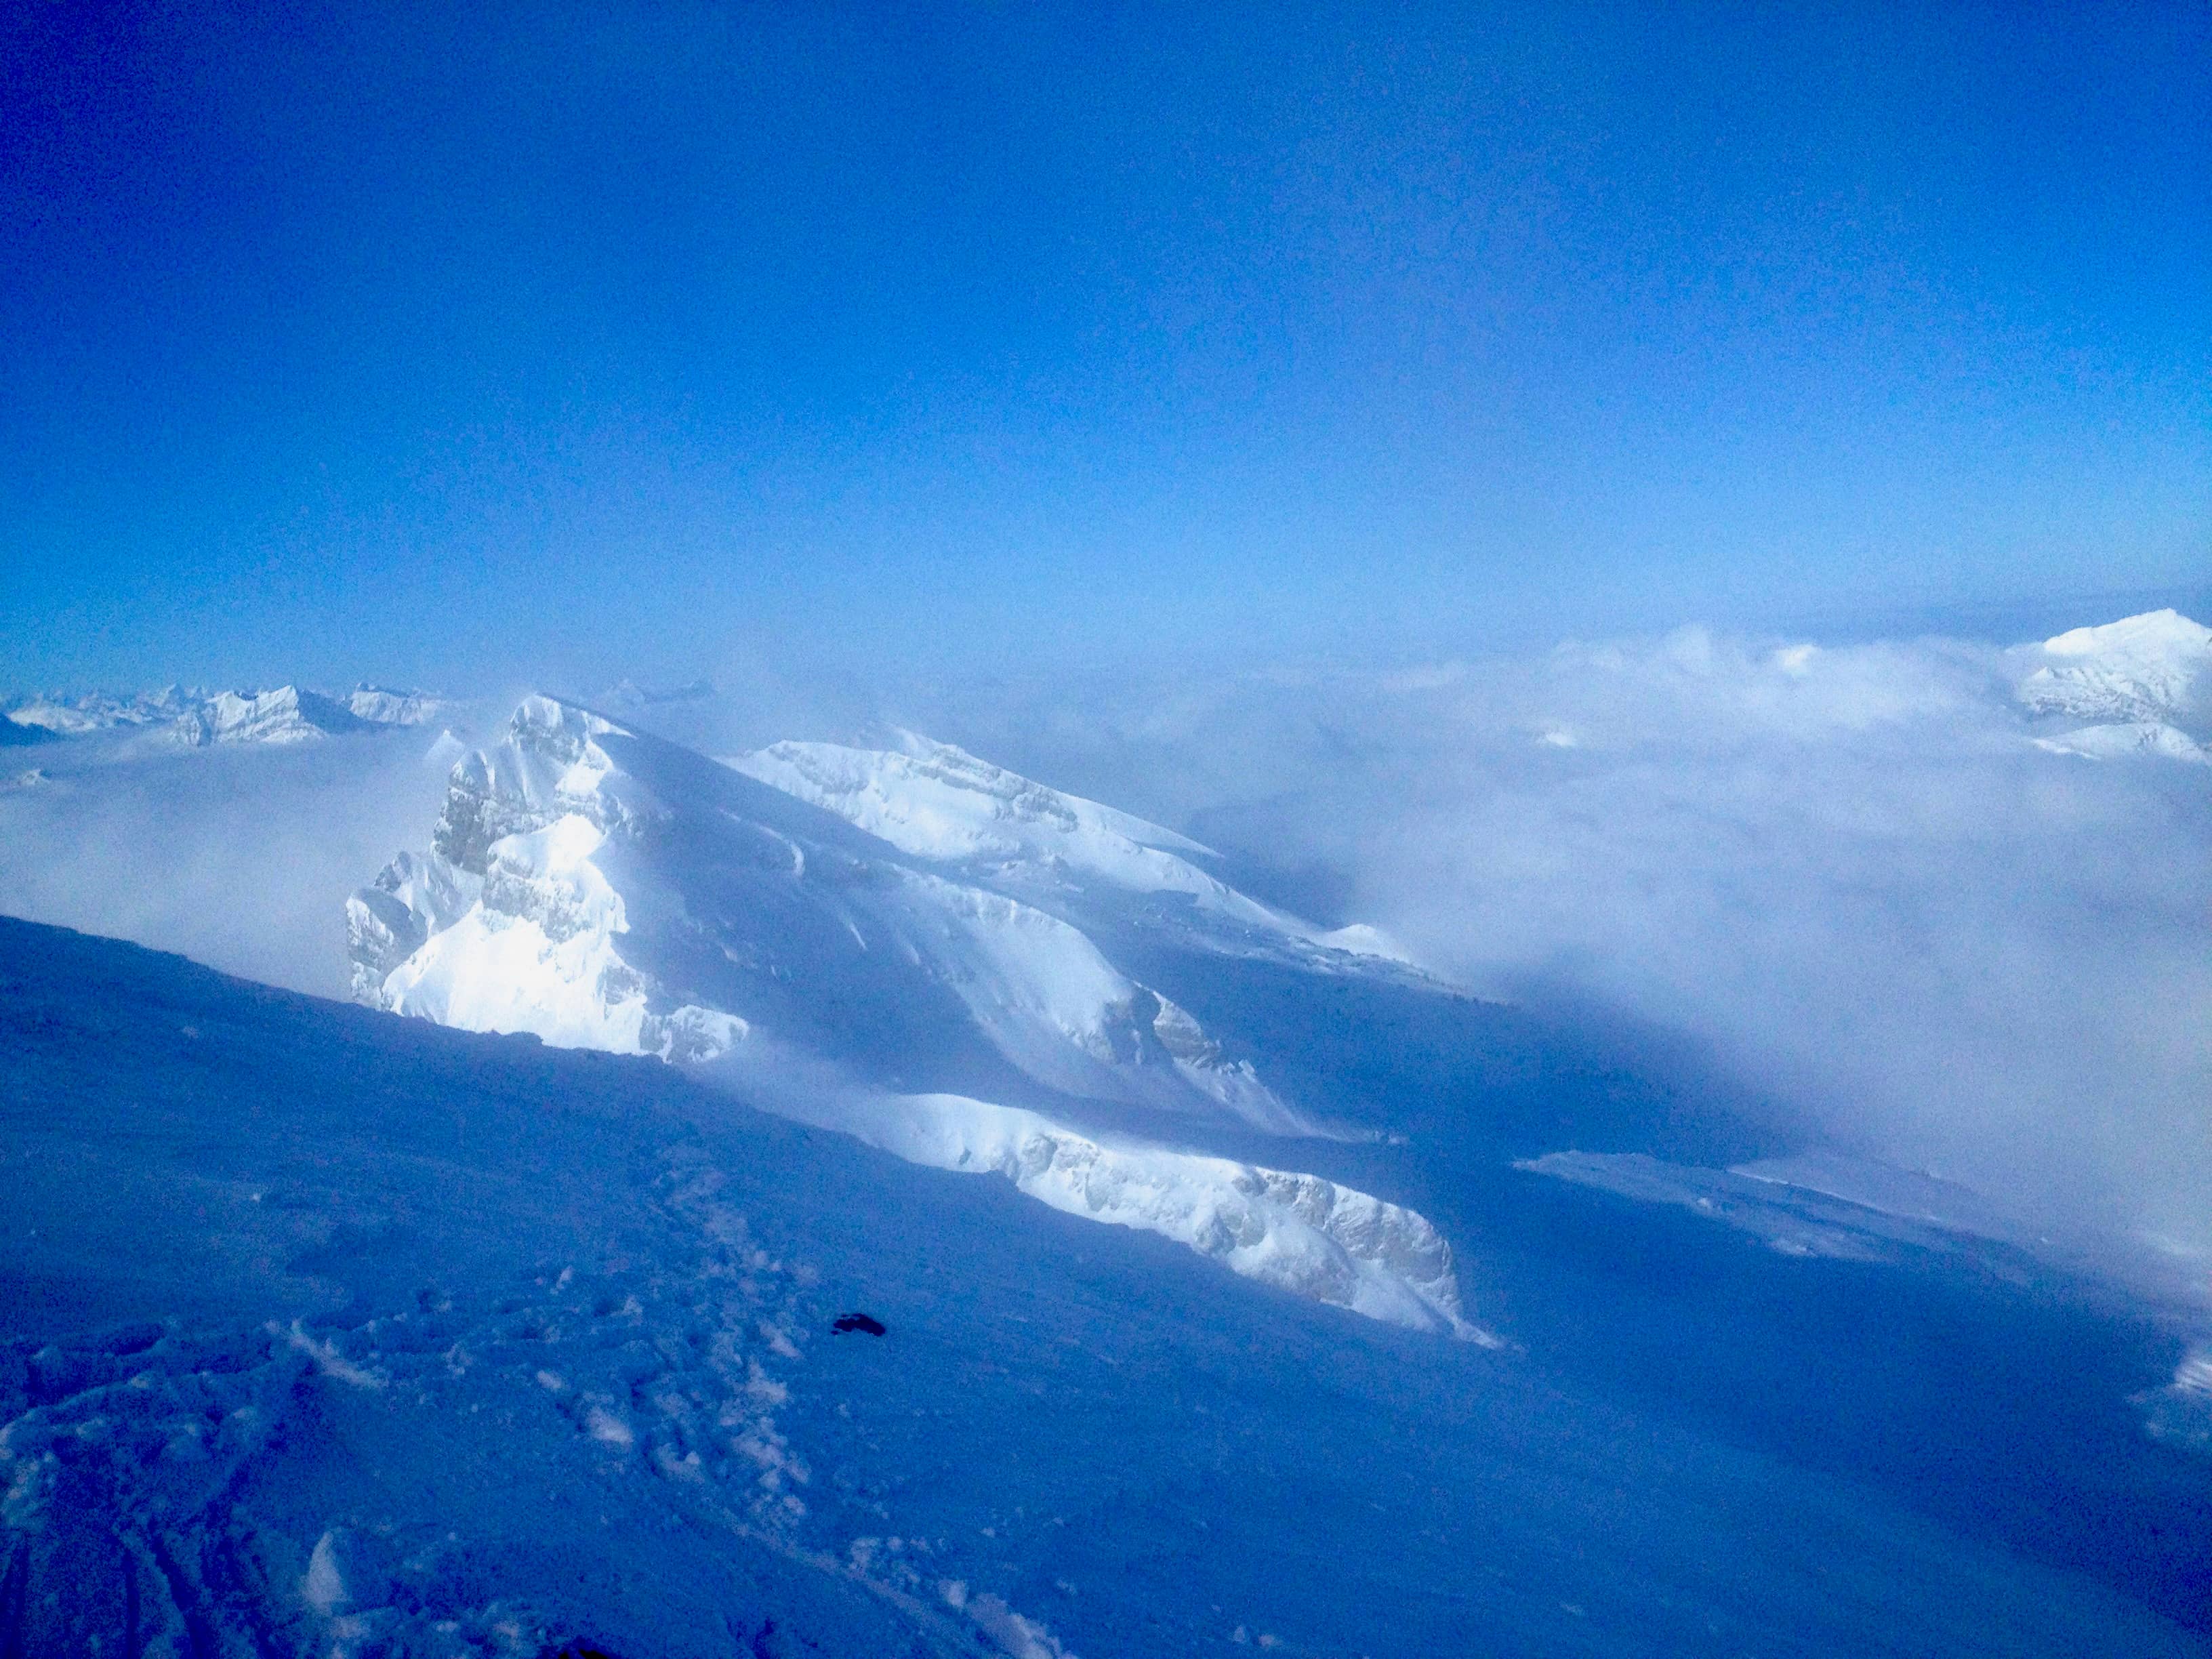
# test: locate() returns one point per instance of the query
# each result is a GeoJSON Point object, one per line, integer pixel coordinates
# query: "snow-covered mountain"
{"type": "Point", "coordinates": [333, 1332]}
{"type": "Point", "coordinates": [603, 889]}
{"type": "Point", "coordinates": [100, 711]}
{"type": "Point", "coordinates": [998, 828]}
{"type": "Point", "coordinates": [382, 705]}
{"type": "Point", "coordinates": [603, 884]}
{"type": "Point", "coordinates": [285, 715]}
{"type": "Point", "coordinates": [2140, 685]}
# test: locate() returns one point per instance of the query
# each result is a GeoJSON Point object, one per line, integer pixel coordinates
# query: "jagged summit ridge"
{"type": "Point", "coordinates": [506, 924]}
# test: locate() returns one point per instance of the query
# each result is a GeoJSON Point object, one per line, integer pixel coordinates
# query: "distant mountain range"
{"type": "Point", "coordinates": [286, 714]}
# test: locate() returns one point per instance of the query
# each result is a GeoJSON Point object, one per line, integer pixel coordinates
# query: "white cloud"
{"type": "Point", "coordinates": [1850, 870]}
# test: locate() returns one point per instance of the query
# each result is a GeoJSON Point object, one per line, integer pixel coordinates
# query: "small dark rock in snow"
{"type": "Point", "coordinates": [856, 1321]}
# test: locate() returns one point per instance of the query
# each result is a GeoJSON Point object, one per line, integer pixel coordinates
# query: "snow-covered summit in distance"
{"type": "Point", "coordinates": [628, 694]}
{"type": "Point", "coordinates": [604, 888]}
{"type": "Point", "coordinates": [191, 719]}
{"type": "Point", "coordinates": [939, 802]}
{"type": "Point", "coordinates": [2142, 684]}
{"type": "Point", "coordinates": [383, 706]}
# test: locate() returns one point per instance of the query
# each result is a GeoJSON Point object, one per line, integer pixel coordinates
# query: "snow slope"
{"type": "Point", "coordinates": [329, 1333]}
{"type": "Point", "coordinates": [2141, 683]}
{"type": "Point", "coordinates": [939, 802]}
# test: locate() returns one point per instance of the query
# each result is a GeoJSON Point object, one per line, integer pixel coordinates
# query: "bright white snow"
{"type": "Point", "coordinates": [1299, 1232]}
{"type": "Point", "coordinates": [940, 803]}
{"type": "Point", "coordinates": [530, 915]}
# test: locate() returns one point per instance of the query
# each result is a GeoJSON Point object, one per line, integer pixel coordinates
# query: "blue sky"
{"type": "Point", "coordinates": [381, 342]}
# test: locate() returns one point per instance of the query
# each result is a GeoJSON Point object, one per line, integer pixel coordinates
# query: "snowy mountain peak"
{"type": "Point", "coordinates": [550, 764]}
{"type": "Point", "coordinates": [2141, 682]}
{"type": "Point", "coordinates": [605, 888]}
{"type": "Point", "coordinates": [2141, 668]}
{"type": "Point", "coordinates": [286, 714]}
{"type": "Point", "coordinates": [382, 706]}
{"type": "Point", "coordinates": [938, 801]}
{"type": "Point", "coordinates": [775, 912]}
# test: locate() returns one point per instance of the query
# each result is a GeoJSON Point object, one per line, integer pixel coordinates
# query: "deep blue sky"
{"type": "Point", "coordinates": [385, 344]}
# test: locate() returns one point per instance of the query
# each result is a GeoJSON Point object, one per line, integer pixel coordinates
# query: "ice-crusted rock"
{"type": "Point", "coordinates": [548, 767]}
{"type": "Point", "coordinates": [388, 921]}
{"type": "Point", "coordinates": [507, 925]}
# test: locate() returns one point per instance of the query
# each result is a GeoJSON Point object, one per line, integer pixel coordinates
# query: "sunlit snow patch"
{"type": "Point", "coordinates": [537, 952]}
{"type": "Point", "coordinates": [1299, 1232]}
{"type": "Point", "coordinates": [939, 802]}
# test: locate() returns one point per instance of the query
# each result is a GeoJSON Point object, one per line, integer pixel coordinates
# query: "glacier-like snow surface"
{"type": "Point", "coordinates": [1297, 1232]}
{"type": "Point", "coordinates": [938, 802]}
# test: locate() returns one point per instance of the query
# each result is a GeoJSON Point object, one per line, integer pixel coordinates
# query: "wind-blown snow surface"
{"type": "Point", "coordinates": [327, 1333]}
{"type": "Point", "coordinates": [940, 803]}
{"type": "Point", "coordinates": [604, 890]}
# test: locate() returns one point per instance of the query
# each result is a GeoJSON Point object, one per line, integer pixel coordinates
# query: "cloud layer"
{"type": "Point", "coordinates": [1852, 870]}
